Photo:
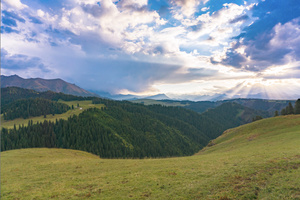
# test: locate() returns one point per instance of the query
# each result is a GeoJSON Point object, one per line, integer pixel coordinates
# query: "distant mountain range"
{"type": "Point", "coordinates": [41, 85]}
{"type": "Point", "coordinates": [130, 97]}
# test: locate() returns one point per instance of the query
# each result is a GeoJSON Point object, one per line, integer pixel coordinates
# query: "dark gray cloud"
{"type": "Point", "coordinates": [20, 62]}
{"type": "Point", "coordinates": [239, 19]}
{"type": "Point", "coordinates": [94, 10]}
{"type": "Point", "coordinates": [233, 59]}
{"type": "Point", "coordinates": [269, 39]}
{"type": "Point", "coordinates": [115, 75]}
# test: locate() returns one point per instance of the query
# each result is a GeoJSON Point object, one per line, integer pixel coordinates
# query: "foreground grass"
{"type": "Point", "coordinates": [83, 105]}
{"type": "Point", "coordinates": [255, 161]}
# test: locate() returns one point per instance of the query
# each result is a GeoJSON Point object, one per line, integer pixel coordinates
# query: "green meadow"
{"type": "Point", "coordinates": [83, 105]}
{"type": "Point", "coordinates": [260, 160]}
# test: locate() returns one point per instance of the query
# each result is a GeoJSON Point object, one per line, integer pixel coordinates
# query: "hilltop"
{"type": "Point", "coordinates": [260, 160]}
{"type": "Point", "coordinates": [42, 85]}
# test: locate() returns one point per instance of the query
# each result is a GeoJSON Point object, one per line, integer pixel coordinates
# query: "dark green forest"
{"type": "Point", "coordinates": [11, 94]}
{"type": "Point", "coordinates": [109, 133]}
{"type": "Point", "coordinates": [121, 129]}
{"type": "Point", "coordinates": [25, 108]}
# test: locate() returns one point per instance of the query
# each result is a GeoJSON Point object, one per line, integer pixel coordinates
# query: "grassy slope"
{"type": "Point", "coordinates": [258, 160]}
{"type": "Point", "coordinates": [76, 111]}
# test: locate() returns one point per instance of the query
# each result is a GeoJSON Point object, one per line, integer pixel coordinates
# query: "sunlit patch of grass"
{"type": "Point", "coordinates": [83, 105]}
{"type": "Point", "coordinates": [260, 160]}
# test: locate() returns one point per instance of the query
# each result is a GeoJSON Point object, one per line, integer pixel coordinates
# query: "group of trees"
{"type": "Point", "coordinates": [290, 110]}
{"type": "Point", "coordinates": [125, 129]}
{"type": "Point", "coordinates": [120, 128]}
{"type": "Point", "coordinates": [26, 108]}
{"type": "Point", "coordinates": [95, 131]}
{"type": "Point", "coordinates": [11, 94]}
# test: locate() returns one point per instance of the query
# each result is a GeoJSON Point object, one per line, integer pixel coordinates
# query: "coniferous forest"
{"type": "Point", "coordinates": [120, 129]}
{"type": "Point", "coordinates": [26, 108]}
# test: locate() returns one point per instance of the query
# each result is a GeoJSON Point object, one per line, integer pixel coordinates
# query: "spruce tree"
{"type": "Point", "coordinates": [283, 111]}
{"type": "Point", "coordinates": [290, 109]}
{"type": "Point", "coordinates": [276, 113]}
{"type": "Point", "coordinates": [297, 107]}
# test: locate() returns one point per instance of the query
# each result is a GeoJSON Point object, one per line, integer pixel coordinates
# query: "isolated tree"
{"type": "Point", "coordinates": [297, 107]}
{"type": "Point", "coordinates": [290, 109]}
{"type": "Point", "coordinates": [276, 113]}
{"type": "Point", "coordinates": [257, 118]}
{"type": "Point", "coordinates": [283, 111]}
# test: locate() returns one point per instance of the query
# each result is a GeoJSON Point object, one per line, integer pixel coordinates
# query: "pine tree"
{"type": "Point", "coordinates": [297, 107]}
{"type": "Point", "coordinates": [276, 113]}
{"type": "Point", "coordinates": [283, 111]}
{"type": "Point", "coordinates": [290, 109]}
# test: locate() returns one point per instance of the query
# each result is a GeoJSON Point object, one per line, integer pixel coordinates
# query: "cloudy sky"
{"type": "Point", "coordinates": [183, 48]}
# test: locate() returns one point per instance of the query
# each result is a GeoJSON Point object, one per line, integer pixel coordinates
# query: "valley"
{"type": "Point", "coordinates": [260, 160]}
{"type": "Point", "coordinates": [83, 105]}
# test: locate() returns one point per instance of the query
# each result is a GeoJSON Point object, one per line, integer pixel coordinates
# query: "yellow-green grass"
{"type": "Point", "coordinates": [155, 102]}
{"type": "Point", "coordinates": [260, 160]}
{"type": "Point", "coordinates": [83, 105]}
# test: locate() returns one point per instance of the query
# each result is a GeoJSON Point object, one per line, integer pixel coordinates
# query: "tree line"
{"type": "Point", "coordinates": [290, 109]}
{"type": "Point", "coordinates": [25, 108]}
{"type": "Point", "coordinates": [123, 130]}
{"type": "Point", "coordinates": [97, 132]}
{"type": "Point", "coordinates": [11, 94]}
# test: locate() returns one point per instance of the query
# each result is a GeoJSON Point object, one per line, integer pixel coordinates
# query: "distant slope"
{"type": "Point", "coordinates": [260, 160]}
{"type": "Point", "coordinates": [158, 97]}
{"type": "Point", "coordinates": [41, 85]}
{"type": "Point", "coordinates": [11, 94]}
{"type": "Point", "coordinates": [231, 114]}
{"type": "Point", "coordinates": [263, 104]}
{"type": "Point", "coordinates": [200, 106]}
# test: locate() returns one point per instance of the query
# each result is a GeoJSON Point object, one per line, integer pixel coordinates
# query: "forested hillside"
{"type": "Point", "coordinates": [267, 106]}
{"type": "Point", "coordinates": [26, 108]}
{"type": "Point", "coordinates": [10, 94]}
{"type": "Point", "coordinates": [110, 133]}
{"type": "Point", "coordinates": [120, 128]}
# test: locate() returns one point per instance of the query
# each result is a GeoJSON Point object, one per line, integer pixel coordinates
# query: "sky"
{"type": "Point", "coordinates": [186, 49]}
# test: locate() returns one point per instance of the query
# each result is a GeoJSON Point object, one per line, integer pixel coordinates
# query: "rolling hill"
{"type": "Point", "coordinates": [42, 85]}
{"type": "Point", "coordinates": [117, 128]}
{"type": "Point", "coordinates": [264, 105]}
{"type": "Point", "coordinates": [260, 160]}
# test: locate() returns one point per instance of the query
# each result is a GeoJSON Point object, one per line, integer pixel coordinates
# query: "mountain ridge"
{"type": "Point", "coordinates": [42, 85]}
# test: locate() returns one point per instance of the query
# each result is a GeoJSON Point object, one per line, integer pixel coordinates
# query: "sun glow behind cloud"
{"type": "Point", "coordinates": [183, 48]}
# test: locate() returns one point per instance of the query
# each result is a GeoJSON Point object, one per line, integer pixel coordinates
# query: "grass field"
{"type": "Point", "coordinates": [260, 160]}
{"type": "Point", "coordinates": [83, 105]}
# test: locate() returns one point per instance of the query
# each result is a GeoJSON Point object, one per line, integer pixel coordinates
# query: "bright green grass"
{"type": "Point", "coordinates": [260, 160]}
{"type": "Point", "coordinates": [83, 105]}
{"type": "Point", "coordinates": [155, 102]}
